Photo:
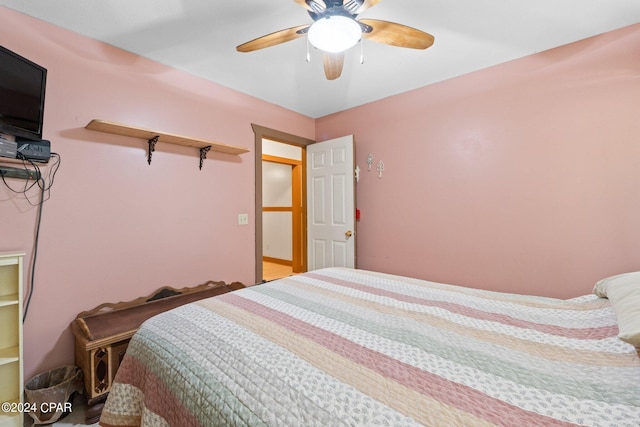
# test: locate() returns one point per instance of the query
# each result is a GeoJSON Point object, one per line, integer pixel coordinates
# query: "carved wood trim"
{"type": "Point", "coordinates": [154, 296]}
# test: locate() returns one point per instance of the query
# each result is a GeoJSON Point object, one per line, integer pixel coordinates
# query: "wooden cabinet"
{"type": "Point", "coordinates": [102, 334]}
{"type": "Point", "coordinates": [11, 364]}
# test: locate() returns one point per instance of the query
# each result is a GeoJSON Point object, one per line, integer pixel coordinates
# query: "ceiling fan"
{"type": "Point", "coordinates": [335, 29]}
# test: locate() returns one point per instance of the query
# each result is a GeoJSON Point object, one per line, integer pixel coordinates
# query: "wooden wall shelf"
{"type": "Point", "coordinates": [153, 137]}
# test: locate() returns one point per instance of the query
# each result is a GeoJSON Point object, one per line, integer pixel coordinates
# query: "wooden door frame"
{"type": "Point", "coordinates": [261, 133]}
{"type": "Point", "coordinates": [297, 208]}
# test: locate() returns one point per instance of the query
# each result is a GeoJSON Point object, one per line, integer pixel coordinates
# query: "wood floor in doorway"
{"type": "Point", "coordinates": [272, 270]}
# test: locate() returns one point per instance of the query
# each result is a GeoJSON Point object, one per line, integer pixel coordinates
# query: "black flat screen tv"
{"type": "Point", "coordinates": [22, 89]}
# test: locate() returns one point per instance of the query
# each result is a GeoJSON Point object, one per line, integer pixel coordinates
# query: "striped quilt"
{"type": "Point", "coordinates": [344, 347]}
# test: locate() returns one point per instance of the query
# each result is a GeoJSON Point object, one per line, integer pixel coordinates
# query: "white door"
{"type": "Point", "coordinates": [331, 204]}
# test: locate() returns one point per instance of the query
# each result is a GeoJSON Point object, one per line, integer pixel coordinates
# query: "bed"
{"type": "Point", "coordinates": [350, 347]}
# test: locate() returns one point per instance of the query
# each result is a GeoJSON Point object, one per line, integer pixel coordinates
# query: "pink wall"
{"type": "Point", "coordinates": [116, 228]}
{"type": "Point", "coordinates": [524, 177]}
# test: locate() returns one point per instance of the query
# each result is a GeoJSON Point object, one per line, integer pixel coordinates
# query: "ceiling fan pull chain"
{"type": "Point", "coordinates": [361, 52]}
{"type": "Point", "coordinates": [308, 54]}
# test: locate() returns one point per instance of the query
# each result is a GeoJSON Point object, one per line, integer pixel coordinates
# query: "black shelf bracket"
{"type": "Point", "coordinates": [152, 147]}
{"type": "Point", "coordinates": [203, 154]}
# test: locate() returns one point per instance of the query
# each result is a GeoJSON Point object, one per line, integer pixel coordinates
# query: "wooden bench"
{"type": "Point", "coordinates": [102, 334]}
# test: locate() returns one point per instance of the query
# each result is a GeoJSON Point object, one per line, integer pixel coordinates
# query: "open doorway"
{"type": "Point", "coordinates": [283, 228]}
{"type": "Point", "coordinates": [299, 246]}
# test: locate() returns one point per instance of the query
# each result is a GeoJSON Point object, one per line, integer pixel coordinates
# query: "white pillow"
{"type": "Point", "coordinates": [623, 291]}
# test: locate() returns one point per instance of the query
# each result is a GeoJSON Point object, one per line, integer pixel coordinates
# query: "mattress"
{"type": "Point", "coordinates": [350, 347]}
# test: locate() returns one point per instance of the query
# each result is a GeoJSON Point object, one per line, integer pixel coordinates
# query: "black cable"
{"type": "Point", "coordinates": [44, 188]}
{"type": "Point", "coordinates": [53, 168]}
{"type": "Point", "coordinates": [26, 188]}
{"type": "Point", "coordinates": [35, 252]}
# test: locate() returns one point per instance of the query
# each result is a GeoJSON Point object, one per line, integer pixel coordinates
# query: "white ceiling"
{"type": "Point", "coordinates": [200, 36]}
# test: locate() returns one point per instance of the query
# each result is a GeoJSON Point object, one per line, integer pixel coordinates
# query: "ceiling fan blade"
{"type": "Point", "coordinates": [312, 5]}
{"type": "Point", "coordinates": [366, 4]}
{"type": "Point", "coordinates": [397, 34]}
{"type": "Point", "coordinates": [272, 39]}
{"type": "Point", "coordinates": [333, 63]}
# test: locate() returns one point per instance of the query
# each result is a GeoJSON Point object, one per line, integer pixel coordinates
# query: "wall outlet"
{"type": "Point", "coordinates": [243, 219]}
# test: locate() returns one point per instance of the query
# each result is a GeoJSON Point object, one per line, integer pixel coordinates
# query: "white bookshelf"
{"type": "Point", "coordinates": [11, 360]}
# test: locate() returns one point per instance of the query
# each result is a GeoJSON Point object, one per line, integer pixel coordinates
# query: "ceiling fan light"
{"type": "Point", "coordinates": [334, 33]}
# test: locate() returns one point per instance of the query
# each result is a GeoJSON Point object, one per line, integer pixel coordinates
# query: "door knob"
{"type": "Point", "coordinates": [348, 233]}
